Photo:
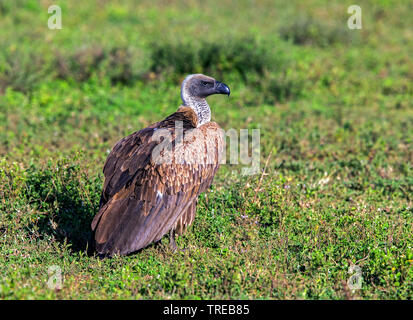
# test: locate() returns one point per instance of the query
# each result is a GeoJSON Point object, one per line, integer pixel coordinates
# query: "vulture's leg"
{"type": "Point", "coordinates": [172, 243]}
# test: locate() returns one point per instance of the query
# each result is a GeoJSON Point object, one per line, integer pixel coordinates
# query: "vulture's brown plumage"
{"type": "Point", "coordinates": [154, 176]}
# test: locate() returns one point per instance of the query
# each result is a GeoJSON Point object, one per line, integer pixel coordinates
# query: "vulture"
{"type": "Point", "coordinates": [153, 177]}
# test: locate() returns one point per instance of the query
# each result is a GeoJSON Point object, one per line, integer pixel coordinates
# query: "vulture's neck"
{"type": "Point", "coordinates": [200, 106]}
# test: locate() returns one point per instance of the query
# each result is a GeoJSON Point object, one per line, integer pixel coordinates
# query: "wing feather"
{"type": "Point", "coordinates": [142, 199]}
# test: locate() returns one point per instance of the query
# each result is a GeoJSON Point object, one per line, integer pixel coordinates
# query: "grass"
{"type": "Point", "coordinates": [334, 108]}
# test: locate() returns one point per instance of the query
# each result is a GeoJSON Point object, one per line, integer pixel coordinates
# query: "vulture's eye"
{"type": "Point", "coordinates": [205, 84]}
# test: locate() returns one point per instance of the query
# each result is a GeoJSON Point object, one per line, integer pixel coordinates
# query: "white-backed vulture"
{"type": "Point", "coordinates": [154, 176]}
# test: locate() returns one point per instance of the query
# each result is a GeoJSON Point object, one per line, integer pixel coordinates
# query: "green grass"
{"type": "Point", "coordinates": [334, 108]}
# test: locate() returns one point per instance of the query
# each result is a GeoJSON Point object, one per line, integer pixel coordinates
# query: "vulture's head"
{"type": "Point", "coordinates": [199, 86]}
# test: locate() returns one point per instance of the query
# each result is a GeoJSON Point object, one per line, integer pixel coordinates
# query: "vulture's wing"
{"type": "Point", "coordinates": [144, 196]}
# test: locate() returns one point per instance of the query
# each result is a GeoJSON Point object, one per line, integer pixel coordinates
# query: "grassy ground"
{"type": "Point", "coordinates": [333, 105]}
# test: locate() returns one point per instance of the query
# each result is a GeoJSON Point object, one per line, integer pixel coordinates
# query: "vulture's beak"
{"type": "Point", "coordinates": [221, 88]}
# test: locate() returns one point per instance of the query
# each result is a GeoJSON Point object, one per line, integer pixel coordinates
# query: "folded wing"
{"type": "Point", "coordinates": [152, 181]}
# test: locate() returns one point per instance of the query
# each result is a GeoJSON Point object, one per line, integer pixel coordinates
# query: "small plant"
{"type": "Point", "coordinates": [79, 65]}
{"type": "Point", "coordinates": [68, 198]}
{"type": "Point", "coordinates": [21, 70]}
{"type": "Point", "coordinates": [113, 63]}
{"type": "Point", "coordinates": [243, 55]}
{"type": "Point", "coordinates": [309, 31]}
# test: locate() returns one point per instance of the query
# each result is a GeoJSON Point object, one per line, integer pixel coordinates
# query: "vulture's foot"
{"type": "Point", "coordinates": [172, 243]}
